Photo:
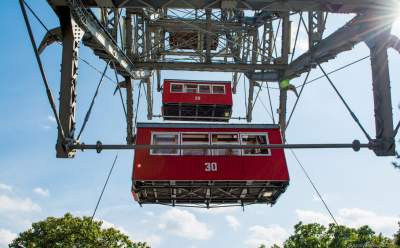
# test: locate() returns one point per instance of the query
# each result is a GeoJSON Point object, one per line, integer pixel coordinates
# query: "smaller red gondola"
{"type": "Point", "coordinates": [208, 176]}
{"type": "Point", "coordinates": [189, 100]}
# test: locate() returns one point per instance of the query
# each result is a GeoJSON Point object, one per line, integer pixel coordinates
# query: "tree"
{"type": "Point", "coordinates": [70, 231]}
{"type": "Point", "coordinates": [307, 236]}
{"type": "Point", "coordinates": [397, 237]}
{"type": "Point", "coordinates": [335, 236]}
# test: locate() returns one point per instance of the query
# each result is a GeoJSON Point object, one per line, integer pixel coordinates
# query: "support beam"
{"type": "Point", "coordinates": [128, 80]}
{"type": "Point", "coordinates": [336, 6]}
{"type": "Point", "coordinates": [249, 116]}
{"type": "Point", "coordinates": [190, 25]}
{"type": "Point", "coordinates": [129, 111]}
{"type": "Point", "coordinates": [344, 39]}
{"type": "Point", "coordinates": [286, 34]}
{"type": "Point", "coordinates": [266, 58]}
{"type": "Point", "coordinates": [235, 80]}
{"type": "Point", "coordinates": [316, 27]}
{"type": "Point", "coordinates": [159, 87]}
{"type": "Point", "coordinates": [149, 97]}
{"type": "Point", "coordinates": [254, 54]}
{"type": "Point", "coordinates": [268, 76]}
{"type": "Point", "coordinates": [208, 36]}
{"type": "Point", "coordinates": [88, 22]}
{"type": "Point", "coordinates": [378, 46]}
{"type": "Point", "coordinates": [213, 67]}
{"type": "Point", "coordinates": [71, 37]}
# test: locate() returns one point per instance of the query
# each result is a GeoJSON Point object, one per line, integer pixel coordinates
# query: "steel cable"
{"type": "Point", "coordinates": [87, 115]}
{"type": "Point", "coordinates": [297, 100]}
{"type": "Point", "coordinates": [104, 187]}
{"type": "Point", "coordinates": [314, 186]}
{"type": "Point", "coordinates": [345, 104]}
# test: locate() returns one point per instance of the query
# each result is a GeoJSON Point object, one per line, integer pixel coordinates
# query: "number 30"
{"type": "Point", "coordinates": [211, 166]}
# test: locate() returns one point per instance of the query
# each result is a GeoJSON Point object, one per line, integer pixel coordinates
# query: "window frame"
{"type": "Point", "coordinates": [195, 143]}
{"type": "Point", "coordinates": [209, 87]}
{"type": "Point", "coordinates": [255, 155]}
{"type": "Point", "coordinates": [164, 154]}
{"type": "Point", "coordinates": [218, 93]}
{"type": "Point", "coordinates": [170, 89]}
{"type": "Point", "coordinates": [225, 143]}
{"type": "Point", "coordinates": [197, 88]}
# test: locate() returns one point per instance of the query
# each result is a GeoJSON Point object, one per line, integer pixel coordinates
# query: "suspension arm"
{"type": "Point", "coordinates": [355, 145]}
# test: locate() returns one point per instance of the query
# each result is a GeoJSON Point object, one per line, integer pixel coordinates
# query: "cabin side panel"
{"type": "Point", "coordinates": [170, 167]}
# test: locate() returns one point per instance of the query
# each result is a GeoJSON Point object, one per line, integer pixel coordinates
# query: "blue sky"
{"type": "Point", "coordinates": [360, 188]}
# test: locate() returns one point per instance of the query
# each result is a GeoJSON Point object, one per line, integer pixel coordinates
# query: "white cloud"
{"type": "Point", "coordinates": [308, 216]}
{"type": "Point", "coordinates": [215, 211]}
{"type": "Point", "coordinates": [152, 240]}
{"type": "Point", "coordinates": [353, 217]}
{"type": "Point", "coordinates": [10, 204]}
{"type": "Point", "coordinates": [266, 235]}
{"type": "Point", "coordinates": [302, 45]}
{"type": "Point", "coordinates": [41, 191]}
{"type": "Point", "coordinates": [185, 224]}
{"type": "Point", "coordinates": [302, 41]}
{"type": "Point", "coordinates": [107, 224]}
{"type": "Point", "coordinates": [6, 237]}
{"type": "Point", "coordinates": [356, 217]}
{"type": "Point", "coordinates": [232, 222]}
{"type": "Point", "coordinates": [149, 213]}
{"type": "Point", "coordinates": [5, 187]}
{"type": "Point", "coordinates": [51, 118]}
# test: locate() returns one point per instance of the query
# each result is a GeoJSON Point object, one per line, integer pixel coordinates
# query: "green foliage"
{"type": "Point", "coordinates": [70, 231]}
{"type": "Point", "coordinates": [397, 237]}
{"type": "Point", "coordinates": [318, 236]}
{"type": "Point", "coordinates": [307, 236]}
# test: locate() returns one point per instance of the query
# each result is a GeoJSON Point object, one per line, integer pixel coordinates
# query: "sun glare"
{"type": "Point", "coordinates": [398, 10]}
{"type": "Point", "coordinates": [396, 24]}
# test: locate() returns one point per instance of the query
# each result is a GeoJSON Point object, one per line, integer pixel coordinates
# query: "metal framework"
{"type": "Point", "coordinates": [197, 193]}
{"type": "Point", "coordinates": [142, 38]}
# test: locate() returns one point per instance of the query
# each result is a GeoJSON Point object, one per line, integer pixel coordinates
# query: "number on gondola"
{"type": "Point", "coordinates": [210, 166]}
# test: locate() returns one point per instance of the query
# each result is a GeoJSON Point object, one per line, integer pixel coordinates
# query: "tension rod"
{"type": "Point", "coordinates": [345, 104]}
{"type": "Point", "coordinates": [396, 130]}
{"type": "Point", "coordinates": [355, 145]}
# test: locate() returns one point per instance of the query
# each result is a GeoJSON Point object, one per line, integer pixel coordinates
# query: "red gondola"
{"type": "Point", "coordinates": [208, 176]}
{"type": "Point", "coordinates": [189, 100]}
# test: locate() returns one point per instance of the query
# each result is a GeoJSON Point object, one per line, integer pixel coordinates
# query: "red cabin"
{"type": "Point", "coordinates": [208, 176]}
{"type": "Point", "coordinates": [188, 100]}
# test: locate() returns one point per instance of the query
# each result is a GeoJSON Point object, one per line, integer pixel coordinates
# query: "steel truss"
{"type": "Point", "coordinates": [205, 193]}
{"type": "Point", "coordinates": [142, 38]}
